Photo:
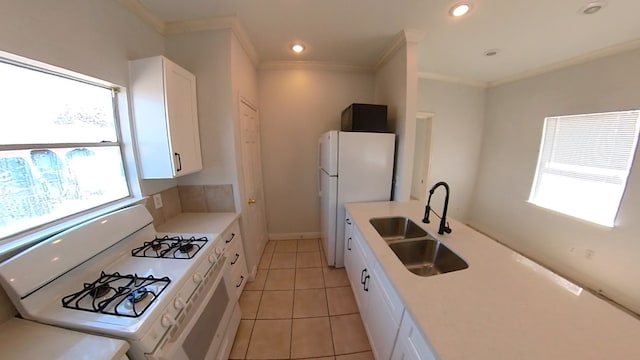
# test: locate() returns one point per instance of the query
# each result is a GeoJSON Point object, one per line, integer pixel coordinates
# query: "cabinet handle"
{"type": "Point", "coordinates": [236, 259]}
{"type": "Point", "coordinates": [349, 243]}
{"type": "Point", "coordinates": [366, 283]}
{"type": "Point", "coordinates": [348, 222]}
{"type": "Point", "coordinates": [179, 161]}
{"type": "Point", "coordinates": [231, 238]}
{"type": "Point", "coordinates": [241, 280]}
{"type": "Point", "coordinates": [362, 276]}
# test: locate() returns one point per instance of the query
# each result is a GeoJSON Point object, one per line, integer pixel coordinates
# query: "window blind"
{"type": "Point", "coordinates": [584, 164]}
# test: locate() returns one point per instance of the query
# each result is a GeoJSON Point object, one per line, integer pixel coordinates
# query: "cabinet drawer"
{"type": "Point", "coordinates": [231, 236]}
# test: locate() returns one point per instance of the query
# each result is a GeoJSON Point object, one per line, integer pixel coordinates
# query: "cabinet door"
{"type": "Point", "coordinates": [357, 270]}
{"type": "Point", "coordinates": [411, 344]}
{"type": "Point", "coordinates": [379, 318]}
{"type": "Point", "coordinates": [182, 113]}
{"type": "Point", "coordinates": [348, 247]}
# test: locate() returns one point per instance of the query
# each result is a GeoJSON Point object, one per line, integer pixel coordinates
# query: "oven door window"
{"type": "Point", "coordinates": [200, 337]}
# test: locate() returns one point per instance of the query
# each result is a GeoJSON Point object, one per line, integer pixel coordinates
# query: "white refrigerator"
{"type": "Point", "coordinates": [352, 167]}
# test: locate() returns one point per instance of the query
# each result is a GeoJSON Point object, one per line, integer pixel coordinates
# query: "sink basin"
{"type": "Point", "coordinates": [427, 257]}
{"type": "Point", "coordinates": [397, 228]}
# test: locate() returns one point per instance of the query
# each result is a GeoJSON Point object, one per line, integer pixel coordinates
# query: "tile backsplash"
{"type": "Point", "coordinates": [191, 198]}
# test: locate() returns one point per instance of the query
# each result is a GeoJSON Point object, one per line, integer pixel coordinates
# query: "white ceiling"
{"type": "Point", "coordinates": [529, 33]}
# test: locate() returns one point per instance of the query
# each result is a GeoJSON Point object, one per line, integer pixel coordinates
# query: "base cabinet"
{"type": "Point", "coordinates": [380, 307]}
{"type": "Point", "coordinates": [233, 245]}
{"type": "Point", "coordinates": [391, 330]}
{"type": "Point", "coordinates": [411, 345]}
{"type": "Point", "coordinates": [382, 325]}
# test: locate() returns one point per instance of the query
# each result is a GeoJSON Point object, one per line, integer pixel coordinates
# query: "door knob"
{"type": "Point", "coordinates": [251, 201]}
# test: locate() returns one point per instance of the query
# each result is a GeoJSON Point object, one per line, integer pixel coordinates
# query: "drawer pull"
{"type": "Point", "coordinates": [236, 259]}
{"type": "Point", "coordinates": [362, 278]}
{"type": "Point", "coordinates": [366, 283]}
{"type": "Point", "coordinates": [241, 280]}
{"type": "Point", "coordinates": [349, 243]}
{"type": "Point", "coordinates": [231, 238]}
{"type": "Point", "coordinates": [348, 222]}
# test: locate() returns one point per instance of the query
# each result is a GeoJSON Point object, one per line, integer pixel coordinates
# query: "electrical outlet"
{"type": "Point", "coordinates": [157, 201]}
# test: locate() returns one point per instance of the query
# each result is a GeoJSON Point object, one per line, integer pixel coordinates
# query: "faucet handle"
{"type": "Point", "coordinates": [447, 229]}
{"type": "Point", "coordinates": [427, 210]}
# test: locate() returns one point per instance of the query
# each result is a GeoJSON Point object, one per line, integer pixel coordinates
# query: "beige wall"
{"type": "Point", "coordinates": [456, 140]}
{"type": "Point", "coordinates": [391, 89]}
{"type": "Point", "coordinates": [96, 38]}
{"type": "Point", "coordinates": [604, 259]}
{"type": "Point", "coordinates": [224, 73]}
{"type": "Point", "coordinates": [396, 86]}
{"type": "Point", "coordinates": [296, 107]}
{"type": "Point", "coordinates": [207, 54]}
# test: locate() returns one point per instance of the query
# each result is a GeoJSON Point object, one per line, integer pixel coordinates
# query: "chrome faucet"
{"type": "Point", "coordinates": [444, 226]}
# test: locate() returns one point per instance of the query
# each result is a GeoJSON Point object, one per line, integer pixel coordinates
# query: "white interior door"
{"type": "Point", "coordinates": [253, 198]}
{"type": "Point", "coordinates": [422, 157]}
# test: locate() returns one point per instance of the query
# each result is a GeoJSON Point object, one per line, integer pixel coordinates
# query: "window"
{"type": "Point", "coordinates": [60, 152]}
{"type": "Point", "coordinates": [584, 163]}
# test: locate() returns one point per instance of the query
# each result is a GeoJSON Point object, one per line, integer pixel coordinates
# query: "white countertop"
{"type": "Point", "coordinates": [215, 223]}
{"type": "Point", "coordinates": [503, 306]}
{"type": "Point", "coordinates": [23, 339]}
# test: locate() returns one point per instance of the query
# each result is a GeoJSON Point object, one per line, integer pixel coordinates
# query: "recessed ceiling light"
{"type": "Point", "coordinates": [491, 52]}
{"type": "Point", "coordinates": [592, 7]}
{"type": "Point", "coordinates": [297, 48]}
{"type": "Point", "coordinates": [460, 9]}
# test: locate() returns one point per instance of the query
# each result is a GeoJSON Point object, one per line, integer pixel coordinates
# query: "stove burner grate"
{"type": "Point", "coordinates": [115, 294]}
{"type": "Point", "coordinates": [99, 291]}
{"type": "Point", "coordinates": [171, 247]}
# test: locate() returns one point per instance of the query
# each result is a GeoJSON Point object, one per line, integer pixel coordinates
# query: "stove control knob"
{"type": "Point", "coordinates": [167, 320]}
{"type": "Point", "coordinates": [212, 258]}
{"type": "Point", "coordinates": [197, 278]}
{"type": "Point", "coordinates": [179, 303]}
{"type": "Point", "coordinates": [217, 251]}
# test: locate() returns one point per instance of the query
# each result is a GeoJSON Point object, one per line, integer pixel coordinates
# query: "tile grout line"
{"type": "Point", "coordinates": [293, 303]}
{"type": "Point", "coordinates": [246, 352]}
{"type": "Point", "coordinates": [326, 296]}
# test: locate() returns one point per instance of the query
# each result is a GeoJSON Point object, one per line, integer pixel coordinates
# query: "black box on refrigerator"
{"type": "Point", "coordinates": [365, 118]}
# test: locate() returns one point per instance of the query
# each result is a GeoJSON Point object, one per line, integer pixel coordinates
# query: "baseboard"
{"type": "Point", "coordinates": [292, 236]}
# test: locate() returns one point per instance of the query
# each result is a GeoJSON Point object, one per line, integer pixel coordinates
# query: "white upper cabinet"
{"type": "Point", "coordinates": [165, 118]}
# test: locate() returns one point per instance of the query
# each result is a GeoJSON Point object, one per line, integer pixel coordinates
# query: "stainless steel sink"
{"type": "Point", "coordinates": [397, 228]}
{"type": "Point", "coordinates": [427, 257]}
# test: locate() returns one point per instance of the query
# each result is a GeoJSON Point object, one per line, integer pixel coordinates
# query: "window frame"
{"type": "Point", "coordinates": [535, 185]}
{"type": "Point", "coordinates": [17, 242]}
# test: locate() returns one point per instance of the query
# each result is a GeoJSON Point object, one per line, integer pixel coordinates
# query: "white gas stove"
{"type": "Point", "coordinates": [115, 276]}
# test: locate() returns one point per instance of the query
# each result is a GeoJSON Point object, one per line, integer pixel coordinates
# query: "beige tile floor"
{"type": "Point", "coordinates": [299, 308]}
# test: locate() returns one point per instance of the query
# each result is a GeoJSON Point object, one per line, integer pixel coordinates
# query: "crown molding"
{"type": "Point", "coordinates": [404, 37]}
{"type": "Point", "coordinates": [216, 23]}
{"type": "Point", "coordinates": [313, 65]}
{"type": "Point", "coordinates": [581, 59]}
{"type": "Point", "coordinates": [452, 79]}
{"type": "Point", "coordinates": [204, 24]}
{"type": "Point", "coordinates": [135, 7]}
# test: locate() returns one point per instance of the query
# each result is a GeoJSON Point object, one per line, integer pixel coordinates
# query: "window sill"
{"type": "Point", "coordinates": [15, 244]}
{"type": "Point", "coordinates": [570, 217]}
